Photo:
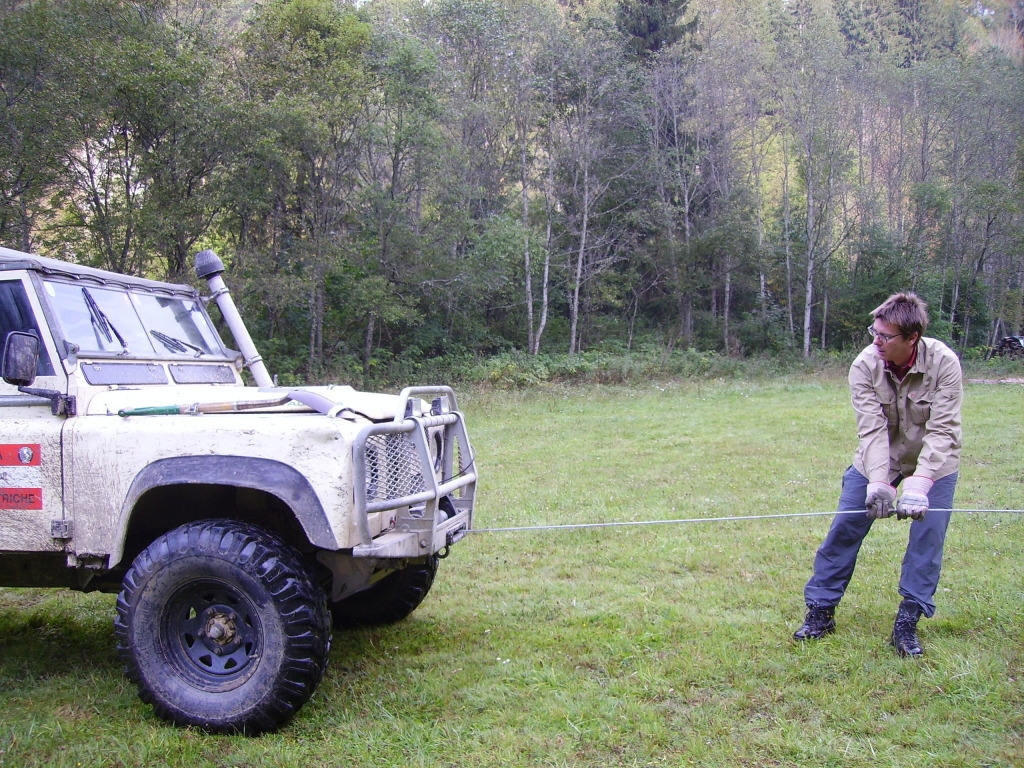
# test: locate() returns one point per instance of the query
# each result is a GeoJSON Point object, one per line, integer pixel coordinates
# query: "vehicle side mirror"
{"type": "Point", "coordinates": [21, 358]}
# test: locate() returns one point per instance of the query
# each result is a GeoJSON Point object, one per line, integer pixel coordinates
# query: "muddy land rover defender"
{"type": "Point", "coordinates": [237, 523]}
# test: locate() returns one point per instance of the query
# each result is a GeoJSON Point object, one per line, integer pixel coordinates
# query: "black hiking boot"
{"type": "Point", "coordinates": [817, 623]}
{"type": "Point", "coordinates": [904, 630]}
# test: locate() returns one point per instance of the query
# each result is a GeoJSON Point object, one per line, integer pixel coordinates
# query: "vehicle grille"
{"type": "Point", "coordinates": [393, 468]}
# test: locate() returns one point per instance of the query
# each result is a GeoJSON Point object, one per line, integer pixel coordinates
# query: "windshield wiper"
{"type": "Point", "coordinates": [175, 344]}
{"type": "Point", "coordinates": [102, 322]}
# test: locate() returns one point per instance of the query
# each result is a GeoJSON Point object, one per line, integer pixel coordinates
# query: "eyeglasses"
{"type": "Point", "coordinates": [885, 337]}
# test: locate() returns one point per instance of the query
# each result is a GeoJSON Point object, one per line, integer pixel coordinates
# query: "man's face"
{"type": "Point", "coordinates": [890, 345]}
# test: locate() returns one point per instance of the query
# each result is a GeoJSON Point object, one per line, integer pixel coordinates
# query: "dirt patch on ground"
{"type": "Point", "coordinates": [995, 381]}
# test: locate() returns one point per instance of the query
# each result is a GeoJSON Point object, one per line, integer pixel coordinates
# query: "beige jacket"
{"type": "Point", "coordinates": [909, 427]}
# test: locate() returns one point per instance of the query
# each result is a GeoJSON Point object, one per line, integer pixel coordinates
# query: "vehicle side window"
{"type": "Point", "coordinates": [16, 315]}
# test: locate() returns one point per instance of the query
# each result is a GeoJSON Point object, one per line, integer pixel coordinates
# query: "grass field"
{"type": "Point", "coordinates": [653, 645]}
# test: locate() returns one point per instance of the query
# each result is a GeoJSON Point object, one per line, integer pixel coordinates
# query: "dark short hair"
{"type": "Point", "coordinates": [907, 311]}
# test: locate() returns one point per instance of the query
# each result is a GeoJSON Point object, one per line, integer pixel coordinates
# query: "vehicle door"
{"type": "Point", "coordinates": [32, 515]}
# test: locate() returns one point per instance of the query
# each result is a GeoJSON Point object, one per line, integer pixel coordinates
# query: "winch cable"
{"type": "Point", "coordinates": [727, 519]}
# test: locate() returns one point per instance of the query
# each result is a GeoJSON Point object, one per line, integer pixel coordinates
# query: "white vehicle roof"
{"type": "Point", "coordinates": [11, 259]}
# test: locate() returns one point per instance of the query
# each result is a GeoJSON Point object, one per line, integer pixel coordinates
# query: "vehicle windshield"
{"type": "Point", "coordinates": [132, 323]}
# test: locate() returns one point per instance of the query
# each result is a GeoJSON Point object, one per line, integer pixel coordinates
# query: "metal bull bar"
{"type": "Point", "coordinates": [395, 469]}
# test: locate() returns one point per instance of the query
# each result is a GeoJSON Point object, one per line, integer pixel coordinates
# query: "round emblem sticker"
{"type": "Point", "coordinates": [25, 455]}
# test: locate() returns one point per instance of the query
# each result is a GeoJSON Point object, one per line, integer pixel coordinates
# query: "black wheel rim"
{"type": "Point", "coordinates": [213, 632]}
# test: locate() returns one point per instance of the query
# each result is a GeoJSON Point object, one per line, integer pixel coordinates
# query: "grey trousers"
{"type": "Point", "coordinates": [837, 556]}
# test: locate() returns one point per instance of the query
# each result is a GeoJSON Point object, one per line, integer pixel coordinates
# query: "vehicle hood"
{"type": "Point", "coordinates": [341, 401]}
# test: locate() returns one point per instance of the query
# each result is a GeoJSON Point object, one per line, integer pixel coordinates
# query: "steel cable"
{"type": "Point", "coordinates": [729, 519]}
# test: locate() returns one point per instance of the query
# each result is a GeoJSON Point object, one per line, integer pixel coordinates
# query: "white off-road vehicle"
{"type": "Point", "coordinates": [236, 523]}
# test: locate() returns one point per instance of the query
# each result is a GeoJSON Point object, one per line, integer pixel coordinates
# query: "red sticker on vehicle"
{"type": "Point", "coordinates": [19, 455]}
{"type": "Point", "coordinates": [21, 498]}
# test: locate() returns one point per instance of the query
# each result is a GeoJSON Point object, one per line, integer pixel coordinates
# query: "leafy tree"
{"type": "Point", "coordinates": [304, 68]}
{"type": "Point", "coordinates": [38, 71]}
{"type": "Point", "coordinates": [530, 82]}
{"type": "Point", "coordinates": [599, 147]}
{"type": "Point", "coordinates": [397, 147]}
{"type": "Point", "coordinates": [174, 127]}
{"type": "Point", "coordinates": [817, 114]}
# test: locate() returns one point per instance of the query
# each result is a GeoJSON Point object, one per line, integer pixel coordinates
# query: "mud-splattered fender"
{"type": "Point", "coordinates": [272, 477]}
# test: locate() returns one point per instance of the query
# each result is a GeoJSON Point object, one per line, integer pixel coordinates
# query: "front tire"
{"type": "Point", "coordinates": [221, 626]}
{"type": "Point", "coordinates": [390, 600]}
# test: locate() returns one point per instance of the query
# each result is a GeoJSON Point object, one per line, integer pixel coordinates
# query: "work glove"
{"type": "Point", "coordinates": [879, 501]}
{"type": "Point", "coordinates": [914, 501]}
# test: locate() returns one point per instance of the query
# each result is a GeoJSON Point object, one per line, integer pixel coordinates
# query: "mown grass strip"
{"type": "Point", "coordinates": [647, 646]}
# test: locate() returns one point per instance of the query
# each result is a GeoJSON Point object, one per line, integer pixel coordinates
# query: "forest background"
{"type": "Point", "coordinates": [400, 186]}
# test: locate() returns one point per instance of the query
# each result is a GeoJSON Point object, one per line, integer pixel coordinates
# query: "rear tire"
{"type": "Point", "coordinates": [221, 626]}
{"type": "Point", "coordinates": [391, 599]}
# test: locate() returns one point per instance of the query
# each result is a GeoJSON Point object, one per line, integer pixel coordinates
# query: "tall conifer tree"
{"type": "Point", "coordinates": [652, 25]}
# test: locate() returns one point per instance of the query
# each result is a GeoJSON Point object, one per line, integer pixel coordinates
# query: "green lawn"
{"type": "Point", "coordinates": [622, 646]}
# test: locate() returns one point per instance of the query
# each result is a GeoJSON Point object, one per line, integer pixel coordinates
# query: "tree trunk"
{"type": "Point", "coordinates": [726, 300]}
{"type": "Point", "coordinates": [577, 281]}
{"type": "Point", "coordinates": [811, 266]}
{"type": "Point", "coordinates": [368, 347]}
{"type": "Point", "coordinates": [824, 307]}
{"type": "Point", "coordinates": [787, 219]}
{"type": "Point", "coordinates": [316, 319]}
{"type": "Point", "coordinates": [546, 275]}
{"type": "Point", "coordinates": [527, 266]}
